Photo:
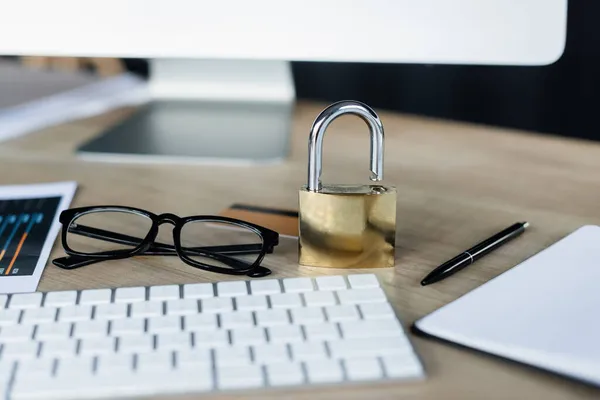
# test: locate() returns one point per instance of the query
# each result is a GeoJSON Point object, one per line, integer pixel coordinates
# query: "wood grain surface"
{"type": "Point", "coordinates": [457, 183]}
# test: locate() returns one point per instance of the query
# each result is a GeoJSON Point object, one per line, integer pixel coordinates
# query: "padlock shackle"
{"type": "Point", "coordinates": [317, 132]}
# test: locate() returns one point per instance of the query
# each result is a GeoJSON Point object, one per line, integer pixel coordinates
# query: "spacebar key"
{"type": "Point", "coordinates": [371, 329]}
{"type": "Point", "coordinates": [47, 388]}
{"type": "Point", "coordinates": [369, 347]}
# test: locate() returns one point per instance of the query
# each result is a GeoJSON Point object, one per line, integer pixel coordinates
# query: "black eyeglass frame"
{"type": "Point", "coordinates": [148, 246]}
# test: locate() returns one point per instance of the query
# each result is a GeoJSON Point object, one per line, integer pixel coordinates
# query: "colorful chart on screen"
{"type": "Point", "coordinates": [28, 227]}
{"type": "Point", "coordinates": [24, 225]}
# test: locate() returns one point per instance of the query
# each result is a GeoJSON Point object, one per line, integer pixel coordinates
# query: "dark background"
{"type": "Point", "coordinates": [561, 98]}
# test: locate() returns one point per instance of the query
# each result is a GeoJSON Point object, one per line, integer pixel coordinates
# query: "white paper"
{"type": "Point", "coordinates": [544, 312]}
{"type": "Point", "coordinates": [60, 98]}
{"type": "Point", "coordinates": [29, 225]}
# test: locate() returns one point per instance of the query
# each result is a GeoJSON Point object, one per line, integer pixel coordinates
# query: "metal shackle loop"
{"type": "Point", "coordinates": [315, 141]}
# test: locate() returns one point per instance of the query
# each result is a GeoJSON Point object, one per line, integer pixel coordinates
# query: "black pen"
{"type": "Point", "coordinates": [474, 253]}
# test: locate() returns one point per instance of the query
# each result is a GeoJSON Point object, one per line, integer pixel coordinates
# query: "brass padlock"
{"type": "Point", "coordinates": [346, 226]}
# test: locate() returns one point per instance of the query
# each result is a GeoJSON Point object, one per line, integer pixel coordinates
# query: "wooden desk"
{"type": "Point", "coordinates": [457, 183]}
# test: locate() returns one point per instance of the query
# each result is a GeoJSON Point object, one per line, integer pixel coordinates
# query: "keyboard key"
{"type": "Point", "coordinates": [70, 366]}
{"type": "Point", "coordinates": [3, 300]}
{"type": "Point", "coordinates": [58, 330]}
{"type": "Point", "coordinates": [20, 350]}
{"type": "Point", "coordinates": [231, 356]}
{"type": "Point", "coordinates": [361, 296]}
{"type": "Point", "coordinates": [284, 374]}
{"type": "Point", "coordinates": [376, 311]}
{"type": "Point", "coordinates": [373, 328]}
{"type": "Point", "coordinates": [285, 334]}
{"type": "Point", "coordinates": [318, 332]}
{"type": "Point", "coordinates": [308, 315]}
{"type": "Point", "coordinates": [216, 305]}
{"type": "Point", "coordinates": [181, 307]}
{"type": "Point", "coordinates": [59, 299]}
{"type": "Point", "coordinates": [198, 291]}
{"type": "Point", "coordinates": [360, 369]}
{"type": "Point", "coordinates": [240, 377]}
{"type": "Point", "coordinates": [95, 296]}
{"type": "Point", "coordinates": [237, 319]}
{"type": "Point", "coordinates": [183, 381]}
{"type": "Point", "coordinates": [9, 317]}
{"type": "Point", "coordinates": [160, 361]}
{"type": "Point", "coordinates": [248, 336]}
{"type": "Point", "coordinates": [344, 312]}
{"type": "Point", "coordinates": [200, 322]}
{"type": "Point", "coordinates": [39, 315]}
{"type": "Point", "coordinates": [174, 341]}
{"type": "Point", "coordinates": [39, 366]}
{"type": "Point", "coordinates": [6, 370]}
{"type": "Point", "coordinates": [90, 328]}
{"type": "Point", "coordinates": [295, 285]}
{"type": "Point", "coordinates": [114, 363]}
{"type": "Point", "coordinates": [136, 344]}
{"type": "Point", "coordinates": [363, 281]}
{"type": "Point", "coordinates": [75, 313]}
{"type": "Point", "coordinates": [146, 309]}
{"type": "Point", "coordinates": [97, 345]}
{"type": "Point", "coordinates": [266, 286]}
{"type": "Point", "coordinates": [323, 371]}
{"type": "Point", "coordinates": [308, 351]}
{"type": "Point", "coordinates": [127, 326]}
{"type": "Point", "coordinates": [251, 303]}
{"type": "Point", "coordinates": [164, 324]}
{"type": "Point", "coordinates": [319, 299]}
{"type": "Point", "coordinates": [32, 386]}
{"type": "Point", "coordinates": [331, 283]}
{"type": "Point", "coordinates": [16, 333]}
{"type": "Point", "coordinates": [25, 300]}
{"type": "Point", "coordinates": [270, 353]}
{"type": "Point", "coordinates": [39, 386]}
{"type": "Point", "coordinates": [111, 311]}
{"type": "Point", "coordinates": [286, 300]}
{"type": "Point", "coordinates": [208, 339]}
{"type": "Point", "coordinates": [195, 357]}
{"type": "Point", "coordinates": [164, 292]}
{"type": "Point", "coordinates": [405, 367]}
{"type": "Point", "coordinates": [130, 294]}
{"type": "Point", "coordinates": [369, 347]}
{"type": "Point", "coordinates": [232, 289]}
{"type": "Point", "coordinates": [121, 383]}
{"type": "Point", "coordinates": [26, 368]}
{"type": "Point", "coordinates": [59, 348]}
{"type": "Point", "coordinates": [272, 317]}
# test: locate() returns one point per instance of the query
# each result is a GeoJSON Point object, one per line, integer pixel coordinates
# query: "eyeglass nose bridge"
{"type": "Point", "coordinates": [168, 218]}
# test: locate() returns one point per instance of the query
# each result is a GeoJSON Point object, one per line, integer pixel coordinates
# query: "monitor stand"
{"type": "Point", "coordinates": [205, 111]}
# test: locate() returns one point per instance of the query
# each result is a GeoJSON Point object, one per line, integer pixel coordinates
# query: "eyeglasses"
{"type": "Point", "coordinates": [217, 244]}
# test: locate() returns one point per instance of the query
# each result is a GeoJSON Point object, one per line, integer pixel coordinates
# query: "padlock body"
{"type": "Point", "coordinates": [347, 226]}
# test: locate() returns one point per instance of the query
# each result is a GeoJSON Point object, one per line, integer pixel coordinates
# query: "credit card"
{"type": "Point", "coordinates": [285, 222]}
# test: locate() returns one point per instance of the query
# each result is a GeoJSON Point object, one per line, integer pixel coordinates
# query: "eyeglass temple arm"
{"type": "Point", "coordinates": [73, 262]}
{"type": "Point", "coordinates": [161, 248]}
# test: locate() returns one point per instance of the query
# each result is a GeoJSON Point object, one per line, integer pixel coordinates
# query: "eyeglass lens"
{"type": "Point", "coordinates": [94, 232]}
{"type": "Point", "coordinates": [236, 245]}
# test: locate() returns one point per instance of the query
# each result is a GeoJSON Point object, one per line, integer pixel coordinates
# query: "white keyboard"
{"type": "Point", "coordinates": [194, 338]}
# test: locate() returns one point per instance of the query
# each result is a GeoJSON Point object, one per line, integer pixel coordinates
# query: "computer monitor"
{"type": "Point", "coordinates": [220, 76]}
